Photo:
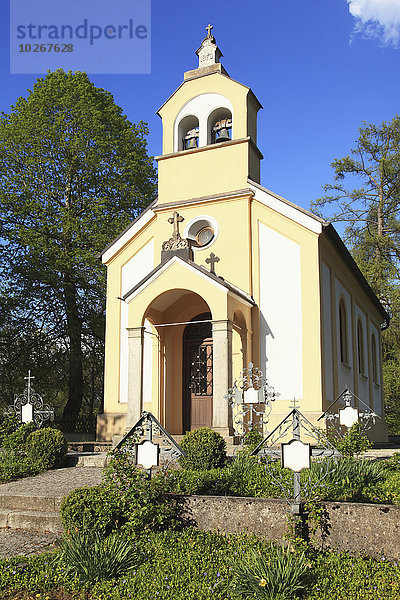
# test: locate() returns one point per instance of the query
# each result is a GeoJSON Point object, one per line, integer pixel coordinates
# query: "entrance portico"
{"type": "Point", "coordinates": [181, 346]}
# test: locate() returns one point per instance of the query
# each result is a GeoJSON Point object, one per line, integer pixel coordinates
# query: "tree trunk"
{"type": "Point", "coordinates": [75, 360]}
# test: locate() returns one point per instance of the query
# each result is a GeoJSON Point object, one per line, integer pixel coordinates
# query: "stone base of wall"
{"type": "Point", "coordinates": [110, 424]}
{"type": "Point", "coordinates": [372, 529]}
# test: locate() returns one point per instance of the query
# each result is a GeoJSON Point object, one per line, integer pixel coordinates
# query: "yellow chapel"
{"type": "Point", "coordinates": [219, 271]}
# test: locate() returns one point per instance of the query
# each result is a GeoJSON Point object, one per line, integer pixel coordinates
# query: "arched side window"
{"type": "Point", "coordinates": [344, 348]}
{"type": "Point", "coordinates": [374, 360]}
{"type": "Point", "coordinates": [188, 133]}
{"type": "Point", "coordinates": [360, 348]}
{"type": "Point", "coordinates": [219, 126]}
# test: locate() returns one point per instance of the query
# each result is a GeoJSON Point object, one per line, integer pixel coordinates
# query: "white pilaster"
{"type": "Point", "coordinates": [222, 372]}
{"type": "Point", "coordinates": [135, 375]}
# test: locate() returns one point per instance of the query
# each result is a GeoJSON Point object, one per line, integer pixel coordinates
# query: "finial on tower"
{"type": "Point", "coordinates": [208, 53]}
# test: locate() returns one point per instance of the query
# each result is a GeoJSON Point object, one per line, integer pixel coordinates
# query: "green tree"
{"type": "Point", "coordinates": [365, 196]}
{"type": "Point", "coordinates": [73, 173]}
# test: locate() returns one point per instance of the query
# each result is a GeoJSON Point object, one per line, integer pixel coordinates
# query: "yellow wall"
{"type": "Point", "coordinates": [206, 171]}
{"type": "Point", "coordinates": [339, 271]}
{"type": "Point", "coordinates": [310, 298]}
{"type": "Point", "coordinates": [214, 83]}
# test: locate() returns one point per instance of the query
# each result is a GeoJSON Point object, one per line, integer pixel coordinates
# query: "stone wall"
{"type": "Point", "coordinates": [372, 529]}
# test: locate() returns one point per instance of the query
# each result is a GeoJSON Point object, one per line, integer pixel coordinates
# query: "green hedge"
{"type": "Point", "coordinates": [204, 448]}
{"type": "Point", "coordinates": [47, 446]}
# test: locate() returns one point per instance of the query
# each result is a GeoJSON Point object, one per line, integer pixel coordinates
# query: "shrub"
{"type": "Point", "coordinates": [9, 423]}
{"type": "Point", "coordinates": [92, 557]}
{"type": "Point", "coordinates": [216, 482]}
{"type": "Point", "coordinates": [146, 503]}
{"type": "Point", "coordinates": [345, 478]}
{"type": "Point", "coordinates": [204, 448]}
{"type": "Point", "coordinates": [392, 463]}
{"type": "Point", "coordinates": [48, 446]}
{"type": "Point", "coordinates": [277, 575]}
{"type": "Point", "coordinates": [252, 439]}
{"type": "Point", "coordinates": [15, 466]}
{"type": "Point", "coordinates": [127, 500]}
{"type": "Point", "coordinates": [18, 438]}
{"type": "Point", "coordinates": [91, 509]}
{"type": "Point", "coordinates": [353, 442]}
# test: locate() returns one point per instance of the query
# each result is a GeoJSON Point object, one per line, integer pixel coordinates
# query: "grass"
{"type": "Point", "coordinates": [196, 565]}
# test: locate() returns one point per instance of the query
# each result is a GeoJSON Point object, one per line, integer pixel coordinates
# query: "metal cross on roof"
{"type": "Point", "coordinates": [209, 30]}
{"type": "Point", "coordinates": [211, 261]}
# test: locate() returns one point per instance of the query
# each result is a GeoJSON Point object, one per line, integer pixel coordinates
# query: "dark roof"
{"type": "Point", "coordinates": [329, 230]}
{"type": "Point", "coordinates": [203, 271]}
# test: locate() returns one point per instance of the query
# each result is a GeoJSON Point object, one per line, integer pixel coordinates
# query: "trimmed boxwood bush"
{"type": "Point", "coordinates": [205, 449]}
{"type": "Point", "coordinates": [48, 446]}
{"type": "Point", "coordinates": [8, 424]}
{"type": "Point", "coordinates": [18, 438]}
{"type": "Point", "coordinates": [91, 509]}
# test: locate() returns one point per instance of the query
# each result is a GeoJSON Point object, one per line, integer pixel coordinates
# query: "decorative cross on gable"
{"type": "Point", "coordinates": [175, 220]}
{"type": "Point", "coordinates": [29, 406]}
{"type": "Point", "coordinates": [176, 242]}
{"type": "Point", "coordinates": [209, 30]}
{"type": "Point", "coordinates": [212, 260]}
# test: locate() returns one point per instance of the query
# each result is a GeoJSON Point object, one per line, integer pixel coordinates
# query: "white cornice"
{"type": "Point", "coordinates": [126, 237]}
{"type": "Point", "coordinates": [286, 208]}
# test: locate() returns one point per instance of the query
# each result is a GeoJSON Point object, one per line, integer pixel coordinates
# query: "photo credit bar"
{"type": "Point", "coordinates": [95, 36]}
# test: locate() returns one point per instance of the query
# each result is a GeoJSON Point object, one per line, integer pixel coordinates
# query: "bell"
{"type": "Point", "coordinates": [223, 136]}
{"type": "Point", "coordinates": [191, 143]}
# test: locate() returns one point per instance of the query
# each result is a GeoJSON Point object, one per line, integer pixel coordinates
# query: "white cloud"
{"type": "Point", "coordinates": [377, 19]}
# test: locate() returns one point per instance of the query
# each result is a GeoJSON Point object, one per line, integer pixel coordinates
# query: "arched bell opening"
{"type": "Point", "coordinates": [169, 314]}
{"type": "Point", "coordinates": [188, 133]}
{"type": "Point", "coordinates": [197, 393]}
{"type": "Point", "coordinates": [219, 126]}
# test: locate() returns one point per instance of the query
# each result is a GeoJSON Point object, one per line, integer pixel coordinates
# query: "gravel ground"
{"type": "Point", "coordinates": [18, 542]}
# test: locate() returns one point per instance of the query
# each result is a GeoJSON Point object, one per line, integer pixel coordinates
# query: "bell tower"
{"type": "Point", "coordinates": [209, 132]}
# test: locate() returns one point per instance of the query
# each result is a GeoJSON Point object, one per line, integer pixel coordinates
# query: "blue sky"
{"type": "Point", "coordinates": [319, 68]}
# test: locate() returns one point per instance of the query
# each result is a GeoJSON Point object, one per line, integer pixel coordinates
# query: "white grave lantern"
{"type": "Point", "coordinates": [296, 455]}
{"type": "Point", "coordinates": [348, 416]}
{"type": "Point", "coordinates": [147, 454]}
{"type": "Point", "coordinates": [27, 413]}
{"type": "Point", "coordinates": [250, 396]}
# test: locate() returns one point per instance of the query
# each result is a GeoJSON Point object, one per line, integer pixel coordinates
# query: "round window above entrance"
{"type": "Point", "coordinates": [202, 231]}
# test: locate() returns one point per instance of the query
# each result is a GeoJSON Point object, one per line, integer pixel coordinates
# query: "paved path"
{"type": "Point", "coordinates": [52, 484]}
{"type": "Point", "coordinates": [59, 482]}
{"type": "Point", "coordinates": [17, 542]}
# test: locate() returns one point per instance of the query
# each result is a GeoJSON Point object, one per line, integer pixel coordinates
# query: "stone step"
{"type": "Point", "coordinates": [29, 502]}
{"type": "Point", "coordinates": [89, 446]}
{"type": "Point", "coordinates": [85, 459]}
{"type": "Point", "coordinates": [35, 520]}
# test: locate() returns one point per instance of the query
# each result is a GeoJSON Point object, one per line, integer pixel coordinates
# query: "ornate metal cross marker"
{"type": "Point", "coordinates": [295, 454]}
{"type": "Point", "coordinates": [348, 414]}
{"type": "Point", "coordinates": [212, 260]}
{"type": "Point", "coordinates": [29, 406]}
{"type": "Point", "coordinates": [250, 400]}
{"type": "Point", "coordinates": [150, 444]}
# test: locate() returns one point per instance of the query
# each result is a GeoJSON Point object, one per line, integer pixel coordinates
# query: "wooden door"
{"type": "Point", "coordinates": [198, 376]}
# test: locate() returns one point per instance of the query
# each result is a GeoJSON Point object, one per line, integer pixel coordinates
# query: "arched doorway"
{"type": "Point", "coordinates": [197, 378]}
